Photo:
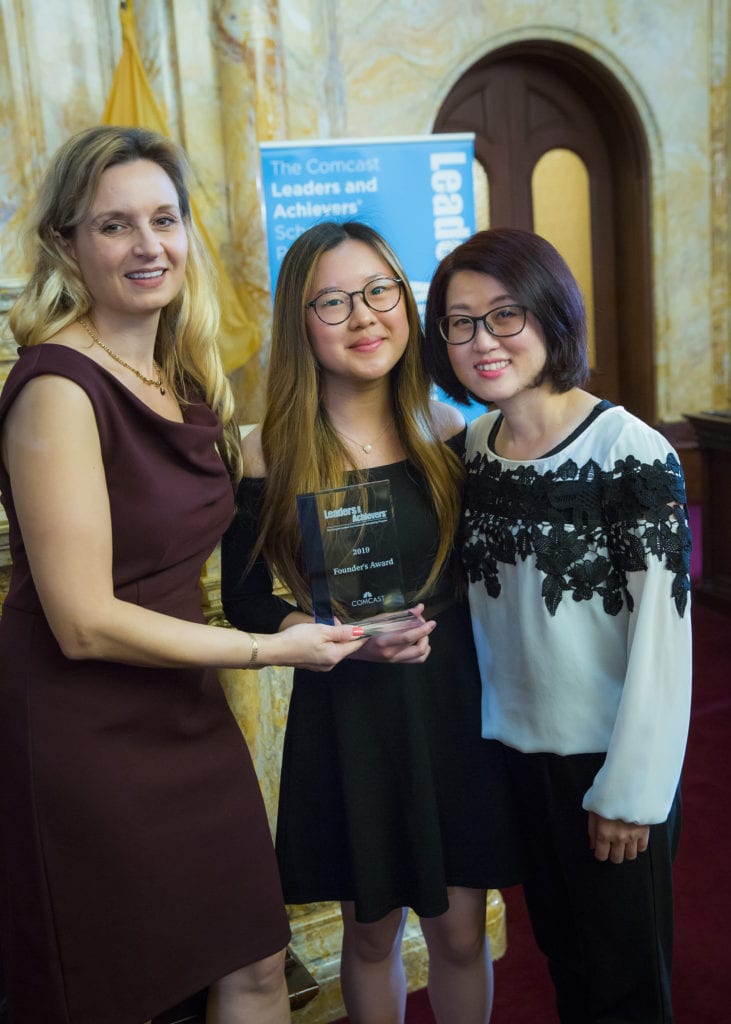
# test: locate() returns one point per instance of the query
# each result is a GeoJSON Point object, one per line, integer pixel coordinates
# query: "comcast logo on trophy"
{"type": "Point", "coordinates": [367, 598]}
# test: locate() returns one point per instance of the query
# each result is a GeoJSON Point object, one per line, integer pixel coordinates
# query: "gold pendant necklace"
{"type": "Point", "coordinates": [88, 326]}
{"type": "Point", "coordinates": [365, 448]}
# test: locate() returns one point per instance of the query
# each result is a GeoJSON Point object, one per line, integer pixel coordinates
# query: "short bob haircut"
{"type": "Point", "coordinates": [536, 276]}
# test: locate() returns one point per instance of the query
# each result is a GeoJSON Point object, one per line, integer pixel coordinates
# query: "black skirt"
{"type": "Point", "coordinates": [389, 794]}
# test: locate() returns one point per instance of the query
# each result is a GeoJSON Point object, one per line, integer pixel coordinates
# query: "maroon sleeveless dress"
{"type": "Point", "coordinates": [136, 862]}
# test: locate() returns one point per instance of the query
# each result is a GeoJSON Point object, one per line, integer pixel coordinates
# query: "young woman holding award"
{"type": "Point", "coordinates": [389, 799]}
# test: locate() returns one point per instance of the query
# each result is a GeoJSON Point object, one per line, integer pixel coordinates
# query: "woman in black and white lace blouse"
{"type": "Point", "coordinates": [577, 547]}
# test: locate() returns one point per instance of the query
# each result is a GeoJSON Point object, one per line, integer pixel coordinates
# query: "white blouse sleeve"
{"type": "Point", "coordinates": [649, 541]}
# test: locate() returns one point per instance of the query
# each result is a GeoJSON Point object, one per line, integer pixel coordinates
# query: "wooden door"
{"type": "Point", "coordinates": [523, 105]}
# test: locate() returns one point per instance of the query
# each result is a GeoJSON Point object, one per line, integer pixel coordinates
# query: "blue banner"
{"type": "Point", "coordinates": [415, 191]}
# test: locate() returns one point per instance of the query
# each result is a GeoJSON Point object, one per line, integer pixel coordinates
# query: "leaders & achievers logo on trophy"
{"type": "Point", "coordinates": [352, 557]}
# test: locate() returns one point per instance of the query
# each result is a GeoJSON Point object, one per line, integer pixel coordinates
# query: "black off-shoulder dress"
{"type": "Point", "coordinates": [388, 792]}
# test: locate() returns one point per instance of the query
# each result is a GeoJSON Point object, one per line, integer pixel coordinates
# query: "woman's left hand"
{"type": "Point", "coordinates": [406, 646]}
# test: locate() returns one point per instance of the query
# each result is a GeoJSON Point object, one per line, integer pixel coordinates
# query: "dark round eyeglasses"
{"type": "Point", "coordinates": [502, 322]}
{"type": "Point", "coordinates": [334, 306]}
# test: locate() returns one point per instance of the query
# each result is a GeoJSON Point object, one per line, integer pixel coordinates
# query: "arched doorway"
{"type": "Point", "coordinates": [533, 100]}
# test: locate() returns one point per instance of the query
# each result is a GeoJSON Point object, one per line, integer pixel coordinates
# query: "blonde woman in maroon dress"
{"type": "Point", "coordinates": [136, 862]}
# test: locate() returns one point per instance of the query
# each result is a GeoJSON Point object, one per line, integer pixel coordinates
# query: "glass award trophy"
{"type": "Point", "coordinates": [352, 557]}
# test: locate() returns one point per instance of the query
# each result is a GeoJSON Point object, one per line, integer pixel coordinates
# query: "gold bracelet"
{"type": "Point", "coordinates": [254, 650]}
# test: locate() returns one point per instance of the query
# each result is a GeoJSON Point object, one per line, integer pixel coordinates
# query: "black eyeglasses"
{"type": "Point", "coordinates": [502, 322]}
{"type": "Point", "coordinates": [334, 306]}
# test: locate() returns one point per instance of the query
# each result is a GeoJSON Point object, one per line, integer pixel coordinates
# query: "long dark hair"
{"type": "Point", "coordinates": [302, 452]}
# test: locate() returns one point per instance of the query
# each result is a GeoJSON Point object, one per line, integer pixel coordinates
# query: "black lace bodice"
{"type": "Point", "coordinates": [587, 527]}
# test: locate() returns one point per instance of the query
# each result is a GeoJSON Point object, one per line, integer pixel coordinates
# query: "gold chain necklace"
{"type": "Point", "coordinates": [365, 448]}
{"type": "Point", "coordinates": [88, 326]}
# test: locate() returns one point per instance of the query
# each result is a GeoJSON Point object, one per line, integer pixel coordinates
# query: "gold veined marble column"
{"type": "Point", "coordinates": [22, 155]}
{"type": "Point", "coordinates": [248, 47]}
{"type": "Point", "coordinates": [720, 146]}
{"type": "Point", "coordinates": [9, 291]}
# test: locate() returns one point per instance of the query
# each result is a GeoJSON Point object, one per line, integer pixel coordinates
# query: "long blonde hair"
{"type": "Point", "coordinates": [56, 294]}
{"type": "Point", "coordinates": [301, 450]}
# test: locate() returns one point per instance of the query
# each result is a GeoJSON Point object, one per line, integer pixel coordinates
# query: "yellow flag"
{"type": "Point", "coordinates": [132, 102]}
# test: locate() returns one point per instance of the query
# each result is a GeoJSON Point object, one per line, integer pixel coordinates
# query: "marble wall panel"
{"type": "Point", "coordinates": [660, 55]}
{"type": "Point", "coordinates": [232, 72]}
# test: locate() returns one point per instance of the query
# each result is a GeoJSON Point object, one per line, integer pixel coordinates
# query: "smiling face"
{"type": "Point", "coordinates": [367, 345]}
{"type": "Point", "coordinates": [131, 246]}
{"type": "Point", "coordinates": [495, 370]}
